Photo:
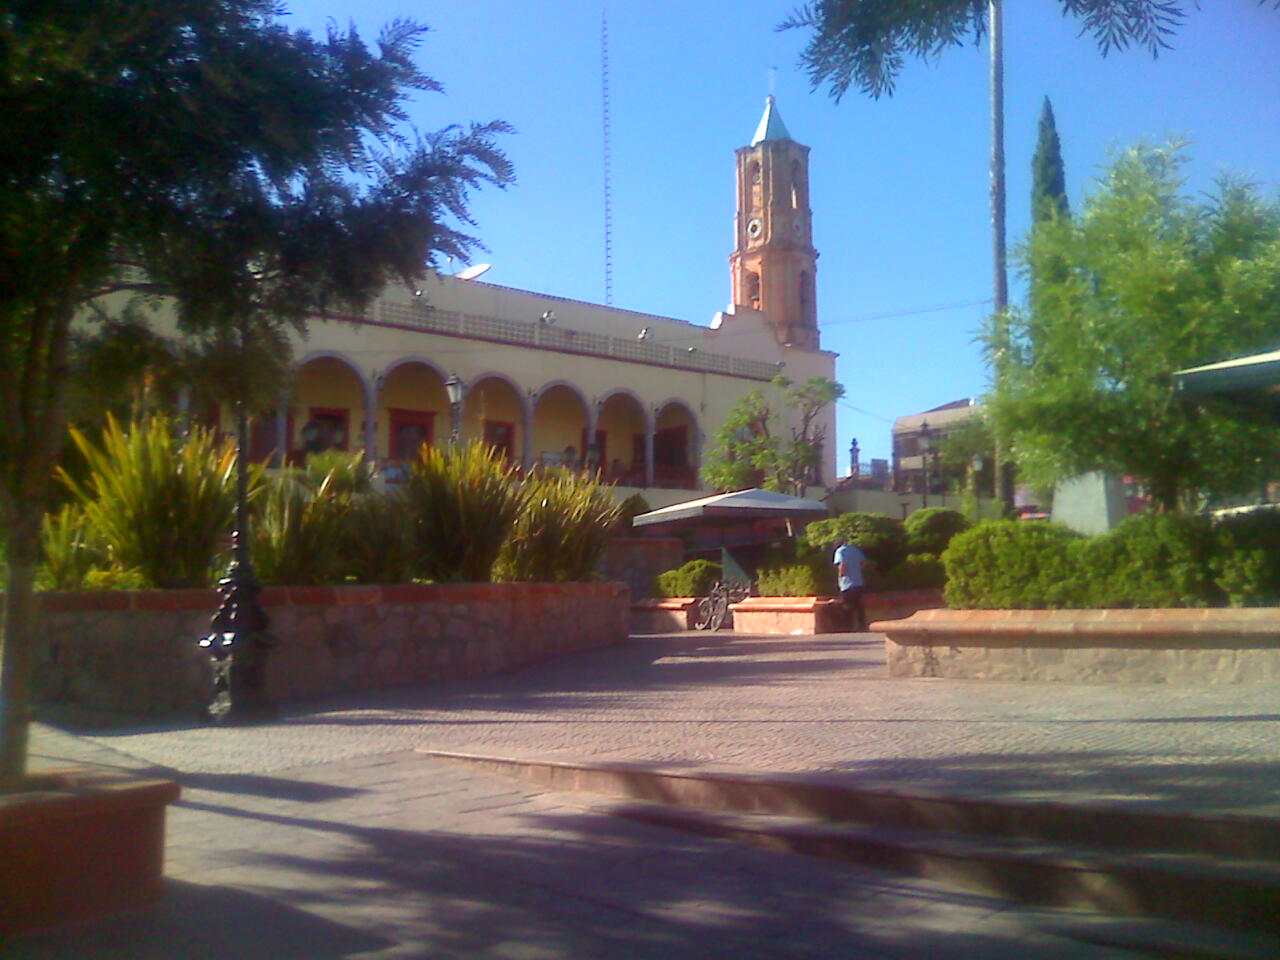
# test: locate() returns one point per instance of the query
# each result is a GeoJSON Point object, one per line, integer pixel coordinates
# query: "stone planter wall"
{"type": "Point", "coordinates": [800, 616]}
{"type": "Point", "coordinates": [663, 615]}
{"type": "Point", "coordinates": [80, 844]}
{"type": "Point", "coordinates": [790, 616]}
{"type": "Point", "coordinates": [134, 652]}
{"type": "Point", "coordinates": [1201, 647]}
{"type": "Point", "coordinates": [793, 616]}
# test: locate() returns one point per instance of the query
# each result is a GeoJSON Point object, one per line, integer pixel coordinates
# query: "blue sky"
{"type": "Point", "coordinates": [899, 185]}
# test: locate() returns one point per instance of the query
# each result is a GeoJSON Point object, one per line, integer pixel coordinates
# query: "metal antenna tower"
{"type": "Point", "coordinates": [608, 179]}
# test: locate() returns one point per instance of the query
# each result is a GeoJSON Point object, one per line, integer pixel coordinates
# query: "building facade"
{"type": "Point", "coordinates": [548, 380]}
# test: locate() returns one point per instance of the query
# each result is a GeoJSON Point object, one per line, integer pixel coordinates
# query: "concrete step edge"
{"type": "Point", "coordinates": [1205, 891]}
{"type": "Point", "coordinates": [1230, 835]}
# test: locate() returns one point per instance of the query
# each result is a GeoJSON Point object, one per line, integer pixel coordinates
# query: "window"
{"type": "Point", "coordinates": [798, 198]}
{"type": "Point", "coordinates": [501, 435]}
{"type": "Point", "coordinates": [671, 447]}
{"type": "Point", "coordinates": [326, 429]}
{"type": "Point", "coordinates": [411, 430]}
{"type": "Point", "coordinates": [753, 289]}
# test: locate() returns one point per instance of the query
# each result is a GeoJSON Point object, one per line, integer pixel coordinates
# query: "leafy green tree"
{"type": "Point", "coordinates": [196, 149]}
{"type": "Point", "coordinates": [749, 451]}
{"type": "Point", "coordinates": [1151, 280]}
{"type": "Point", "coordinates": [967, 442]}
{"type": "Point", "coordinates": [864, 43]}
{"type": "Point", "coordinates": [1048, 175]}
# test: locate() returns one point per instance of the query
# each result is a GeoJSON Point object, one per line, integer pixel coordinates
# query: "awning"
{"type": "Point", "coordinates": [1250, 384]}
{"type": "Point", "coordinates": [740, 507]}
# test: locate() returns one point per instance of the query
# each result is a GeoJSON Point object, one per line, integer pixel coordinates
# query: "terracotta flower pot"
{"type": "Point", "coordinates": [75, 844]}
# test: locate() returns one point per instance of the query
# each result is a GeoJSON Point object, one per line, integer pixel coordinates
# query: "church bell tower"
{"type": "Point", "coordinates": [774, 262]}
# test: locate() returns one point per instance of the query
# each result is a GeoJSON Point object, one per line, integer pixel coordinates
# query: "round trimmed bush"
{"type": "Point", "coordinates": [694, 579]}
{"type": "Point", "coordinates": [1247, 566]}
{"type": "Point", "coordinates": [930, 530]}
{"type": "Point", "coordinates": [919, 571]}
{"type": "Point", "coordinates": [1152, 560]}
{"type": "Point", "coordinates": [1011, 564]}
{"type": "Point", "coordinates": [880, 538]}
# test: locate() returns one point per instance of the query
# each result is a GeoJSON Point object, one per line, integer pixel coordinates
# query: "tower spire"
{"type": "Point", "coordinates": [774, 265]}
{"type": "Point", "coordinates": [771, 126]}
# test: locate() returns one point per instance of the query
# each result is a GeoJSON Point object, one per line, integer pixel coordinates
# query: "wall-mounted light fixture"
{"type": "Point", "coordinates": [644, 334]}
{"type": "Point", "coordinates": [548, 317]}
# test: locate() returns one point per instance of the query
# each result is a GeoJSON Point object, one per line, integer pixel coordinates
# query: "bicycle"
{"type": "Point", "coordinates": [713, 609]}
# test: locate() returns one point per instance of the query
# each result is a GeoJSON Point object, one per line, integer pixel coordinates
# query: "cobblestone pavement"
{"type": "Point", "coordinates": [818, 706]}
{"type": "Point", "coordinates": [328, 836]}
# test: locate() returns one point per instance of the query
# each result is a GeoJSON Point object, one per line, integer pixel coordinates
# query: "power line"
{"type": "Point", "coordinates": [907, 313]}
{"type": "Point", "coordinates": [867, 413]}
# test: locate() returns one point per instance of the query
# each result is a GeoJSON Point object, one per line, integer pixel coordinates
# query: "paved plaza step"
{"type": "Point", "coordinates": [1219, 871]}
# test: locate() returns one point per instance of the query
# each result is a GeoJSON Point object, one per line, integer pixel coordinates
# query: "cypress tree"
{"type": "Point", "coordinates": [1048, 177]}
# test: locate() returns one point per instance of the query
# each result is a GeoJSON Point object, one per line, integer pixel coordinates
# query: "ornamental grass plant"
{"type": "Point", "coordinates": [296, 531]}
{"type": "Point", "coordinates": [461, 504]}
{"type": "Point", "coordinates": [564, 521]}
{"type": "Point", "coordinates": [376, 545]}
{"type": "Point", "coordinates": [159, 501]}
{"type": "Point", "coordinates": [70, 548]}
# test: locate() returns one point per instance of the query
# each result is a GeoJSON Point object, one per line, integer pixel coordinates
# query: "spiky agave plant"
{"type": "Point", "coordinates": [345, 473]}
{"type": "Point", "coordinates": [70, 548]}
{"type": "Point", "coordinates": [299, 530]}
{"type": "Point", "coordinates": [159, 501]}
{"type": "Point", "coordinates": [376, 544]}
{"type": "Point", "coordinates": [461, 503]}
{"type": "Point", "coordinates": [565, 520]}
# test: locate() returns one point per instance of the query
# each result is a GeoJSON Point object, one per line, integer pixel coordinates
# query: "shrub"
{"type": "Point", "coordinates": [115, 578]}
{"type": "Point", "coordinates": [629, 509]}
{"type": "Point", "coordinates": [1012, 564]}
{"type": "Point", "coordinates": [461, 504]}
{"type": "Point", "coordinates": [919, 571]}
{"type": "Point", "coordinates": [931, 529]}
{"type": "Point", "coordinates": [70, 549]}
{"type": "Point", "coordinates": [793, 568]}
{"type": "Point", "coordinates": [794, 580]}
{"type": "Point", "coordinates": [1151, 560]}
{"type": "Point", "coordinates": [345, 473]}
{"type": "Point", "coordinates": [1247, 566]}
{"type": "Point", "coordinates": [881, 539]}
{"type": "Point", "coordinates": [694, 579]}
{"type": "Point", "coordinates": [161, 505]}
{"type": "Point", "coordinates": [564, 522]}
{"type": "Point", "coordinates": [375, 546]}
{"type": "Point", "coordinates": [298, 533]}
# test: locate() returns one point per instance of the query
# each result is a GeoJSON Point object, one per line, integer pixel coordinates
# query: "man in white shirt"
{"type": "Point", "coordinates": [849, 560]}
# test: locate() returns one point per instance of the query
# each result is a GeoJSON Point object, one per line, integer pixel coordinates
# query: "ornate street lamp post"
{"type": "Point", "coordinates": [238, 641]}
{"type": "Point", "coordinates": [453, 387]}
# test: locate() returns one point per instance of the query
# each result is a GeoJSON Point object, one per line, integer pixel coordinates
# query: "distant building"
{"type": "Point", "coordinates": [548, 380]}
{"type": "Point", "coordinates": [918, 437]}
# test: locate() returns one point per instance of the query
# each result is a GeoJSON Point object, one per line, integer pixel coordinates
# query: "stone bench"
{"type": "Point", "coordinates": [1194, 647]}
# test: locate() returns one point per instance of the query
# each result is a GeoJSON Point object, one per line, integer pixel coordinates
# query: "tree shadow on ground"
{"type": "Point", "coordinates": [1114, 778]}
{"type": "Point", "coordinates": [579, 885]}
{"type": "Point", "coordinates": [198, 922]}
